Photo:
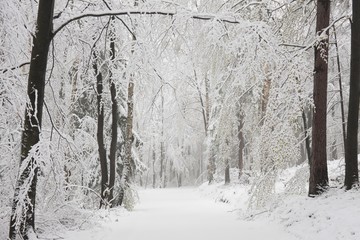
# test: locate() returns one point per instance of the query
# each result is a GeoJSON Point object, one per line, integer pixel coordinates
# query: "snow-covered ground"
{"type": "Point", "coordinates": [335, 215]}
{"type": "Point", "coordinates": [179, 214]}
{"type": "Point", "coordinates": [218, 211]}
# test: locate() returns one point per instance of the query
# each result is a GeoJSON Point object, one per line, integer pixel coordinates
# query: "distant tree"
{"type": "Point", "coordinates": [22, 221]}
{"type": "Point", "coordinates": [318, 165]}
{"type": "Point", "coordinates": [351, 151]}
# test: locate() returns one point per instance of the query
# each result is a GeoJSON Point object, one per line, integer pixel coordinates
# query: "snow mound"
{"type": "Point", "coordinates": [331, 216]}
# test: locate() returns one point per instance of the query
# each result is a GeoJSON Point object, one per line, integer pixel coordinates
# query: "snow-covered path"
{"type": "Point", "coordinates": [180, 214]}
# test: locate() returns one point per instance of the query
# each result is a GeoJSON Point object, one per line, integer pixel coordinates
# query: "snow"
{"type": "Point", "coordinates": [219, 211]}
{"type": "Point", "coordinates": [335, 215]}
{"type": "Point", "coordinates": [179, 214]}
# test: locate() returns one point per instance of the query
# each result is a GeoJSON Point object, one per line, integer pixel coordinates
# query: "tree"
{"type": "Point", "coordinates": [318, 165]}
{"type": "Point", "coordinates": [351, 161]}
{"type": "Point", "coordinates": [23, 209]}
{"type": "Point", "coordinates": [115, 118]}
{"type": "Point", "coordinates": [100, 131]}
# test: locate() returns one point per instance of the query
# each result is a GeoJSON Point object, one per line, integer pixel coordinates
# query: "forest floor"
{"type": "Point", "coordinates": [179, 214]}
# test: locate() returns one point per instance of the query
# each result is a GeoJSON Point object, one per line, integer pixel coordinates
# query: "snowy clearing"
{"type": "Point", "coordinates": [179, 214]}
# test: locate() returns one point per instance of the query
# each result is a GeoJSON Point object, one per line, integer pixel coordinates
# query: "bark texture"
{"type": "Point", "coordinates": [114, 124]}
{"type": "Point", "coordinates": [23, 224]}
{"type": "Point", "coordinates": [241, 144]}
{"type": "Point", "coordinates": [318, 165]}
{"type": "Point", "coordinates": [351, 162]}
{"type": "Point", "coordinates": [100, 133]}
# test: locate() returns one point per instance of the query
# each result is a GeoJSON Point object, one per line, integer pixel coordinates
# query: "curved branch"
{"type": "Point", "coordinates": [4, 70]}
{"type": "Point", "coordinates": [143, 12]}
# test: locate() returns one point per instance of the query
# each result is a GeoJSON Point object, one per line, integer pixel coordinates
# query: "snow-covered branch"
{"type": "Point", "coordinates": [198, 16]}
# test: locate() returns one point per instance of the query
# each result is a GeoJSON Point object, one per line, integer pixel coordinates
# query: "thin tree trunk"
{"type": "Point", "coordinates": [333, 147]}
{"type": "Point", "coordinates": [307, 137]}
{"type": "Point", "coordinates": [100, 132]}
{"type": "Point", "coordinates": [162, 147]}
{"type": "Point", "coordinates": [318, 166]}
{"type": "Point", "coordinates": [115, 117]}
{"type": "Point", "coordinates": [24, 223]}
{"type": "Point", "coordinates": [340, 90]}
{"type": "Point", "coordinates": [351, 161]}
{"type": "Point", "coordinates": [241, 144]}
{"type": "Point", "coordinates": [153, 165]}
{"type": "Point", "coordinates": [227, 171]}
{"type": "Point", "coordinates": [211, 167]}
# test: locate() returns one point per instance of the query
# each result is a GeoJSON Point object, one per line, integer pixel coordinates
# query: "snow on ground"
{"type": "Point", "coordinates": [218, 211]}
{"type": "Point", "coordinates": [335, 215]}
{"type": "Point", "coordinates": [179, 214]}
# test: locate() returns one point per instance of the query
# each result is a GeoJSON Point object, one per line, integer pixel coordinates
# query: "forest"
{"type": "Point", "coordinates": [102, 98]}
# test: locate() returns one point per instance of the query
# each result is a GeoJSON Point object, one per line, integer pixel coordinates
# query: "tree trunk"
{"type": "Point", "coordinates": [129, 129]}
{"type": "Point", "coordinates": [227, 171]}
{"type": "Point", "coordinates": [211, 167]}
{"type": "Point", "coordinates": [307, 137]}
{"type": "Point", "coordinates": [153, 165]}
{"type": "Point", "coordinates": [333, 147]}
{"type": "Point", "coordinates": [100, 132]}
{"type": "Point", "coordinates": [162, 144]}
{"type": "Point", "coordinates": [340, 90]}
{"type": "Point", "coordinates": [114, 114]}
{"type": "Point", "coordinates": [22, 220]}
{"type": "Point", "coordinates": [241, 144]}
{"type": "Point", "coordinates": [351, 161]}
{"type": "Point", "coordinates": [318, 166]}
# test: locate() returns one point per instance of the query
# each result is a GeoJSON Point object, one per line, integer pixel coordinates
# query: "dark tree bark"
{"type": "Point", "coordinates": [115, 117]}
{"type": "Point", "coordinates": [32, 124]}
{"type": "Point", "coordinates": [241, 144]}
{"type": "Point", "coordinates": [318, 166]}
{"type": "Point", "coordinates": [351, 162]}
{"type": "Point", "coordinates": [100, 132]}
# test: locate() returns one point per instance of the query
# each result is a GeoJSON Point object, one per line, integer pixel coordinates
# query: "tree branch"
{"type": "Point", "coordinates": [4, 70]}
{"type": "Point", "coordinates": [143, 12]}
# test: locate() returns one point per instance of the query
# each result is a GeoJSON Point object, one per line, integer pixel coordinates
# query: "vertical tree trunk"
{"type": "Point", "coordinates": [115, 117]}
{"type": "Point", "coordinates": [153, 166]}
{"type": "Point", "coordinates": [24, 223]}
{"type": "Point", "coordinates": [351, 161]}
{"type": "Point", "coordinates": [333, 147]}
{"type": "Point", "coordinates": [128, 139]}
{"type": "Point", "coordinates": [227, 171]}
{"type": "Point", "coordinates": [241, 144]}
{"type": "Point", "coordinates": [100, 132]}
{"type": "Point", "coordinates": [129, 130]}
{"type": "Point", "coordinates": [211, 167]}
{"type": "Point", "coordinates": [318, 166]}
{"type": "Point", "coordinates": [307, 137]}
{"type": "Point", "coordinates": [340, 90]}
{"type": "Point", "coordinates": [162, 147]}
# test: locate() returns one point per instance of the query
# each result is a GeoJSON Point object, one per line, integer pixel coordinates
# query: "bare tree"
{"type": "Point", "coordinates": [115, 117]}
{"type": "Point", "coordinates": [23, 209]}
{"type": "Point", "coordinates": [100, 131]}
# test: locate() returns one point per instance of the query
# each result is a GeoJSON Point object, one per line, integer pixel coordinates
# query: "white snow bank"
{"type": "Point", "coordinates": [331, 216]}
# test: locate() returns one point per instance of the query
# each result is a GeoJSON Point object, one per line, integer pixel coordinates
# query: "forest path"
{"type": "Point", "coordinates": [181, 214]}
